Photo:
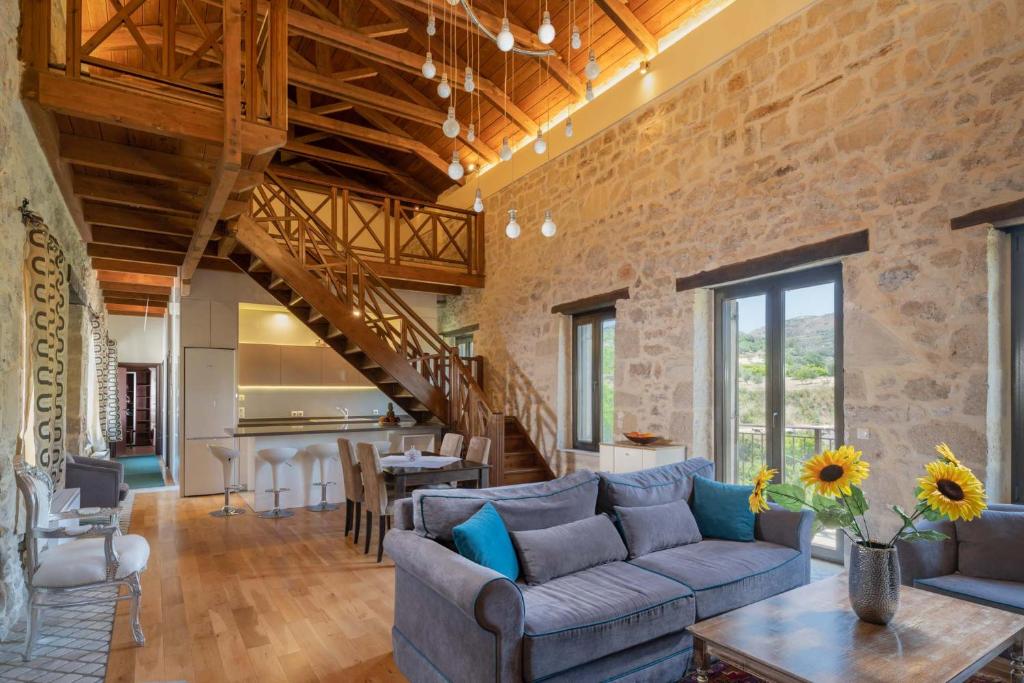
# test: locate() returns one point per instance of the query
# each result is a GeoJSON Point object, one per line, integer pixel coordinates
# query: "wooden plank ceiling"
{"type": "Point", "coordinates": [358, 110]}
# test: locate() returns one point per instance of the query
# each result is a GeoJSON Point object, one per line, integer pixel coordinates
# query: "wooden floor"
{"type": "Point", "coordinates": [249, 599]}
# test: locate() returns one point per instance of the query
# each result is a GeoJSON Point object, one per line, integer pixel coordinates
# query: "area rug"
{"type": "Point", "coordinates": [142, 471]}
{"type": "Point", "coordinates": [723, 673]}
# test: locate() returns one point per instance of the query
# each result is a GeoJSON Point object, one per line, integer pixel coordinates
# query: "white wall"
{"type": "Point", "coordinates": [139, 340]}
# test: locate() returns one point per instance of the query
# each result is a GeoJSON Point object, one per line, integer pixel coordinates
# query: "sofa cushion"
{"type": "Point", "coordinates": [584, 616]}
{"type": "Point", "coordinates": [990, 547]}
{"type": "Point", "coordinates": [723, 510]}
{"type": "Point", "coordinates": [84, 561]}
{"type": "Point", "coordinates": [1003, 594]}
{"type": "Point", "coordinates": [724, 575]}
{"type": "Point", "coordinates": [653, 486]}
{"type": "Point", "coordinates": [546, 554]}
{"type": "Point", "coordinates": [522, 507]}
{"type": "Point", "coordinates": [657, 527]}
{"type": "Point", "coordinates": [484, 539]}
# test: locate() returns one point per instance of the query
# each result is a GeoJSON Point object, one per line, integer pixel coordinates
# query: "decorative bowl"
{"type": "Point", "coordinates": [642, 438]}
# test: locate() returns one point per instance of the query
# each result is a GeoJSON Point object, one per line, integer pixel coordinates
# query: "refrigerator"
{"type": "Point", "coordinates": [210, 408]}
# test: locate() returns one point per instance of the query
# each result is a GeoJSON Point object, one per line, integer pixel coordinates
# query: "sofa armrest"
{"type": "Point", "coordinates": [402, 517]}
{"type": "Point", "coordinates": [926, 559]}
{"type": "Point", "coordinates": [784, 527]}
{"type": "Point", "coordinates": [482, 610]}
{"type": "Point", "coordinates": [99, 485]}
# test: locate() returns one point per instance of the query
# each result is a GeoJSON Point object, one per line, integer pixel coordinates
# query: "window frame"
{"type": "Point", "coordinates": [595, 318]}
{"type": "Point", "coordinates": [1017, 364]}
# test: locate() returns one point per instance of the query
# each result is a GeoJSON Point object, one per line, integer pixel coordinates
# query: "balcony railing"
{"type": "Point", "coordinates": [799, 443]}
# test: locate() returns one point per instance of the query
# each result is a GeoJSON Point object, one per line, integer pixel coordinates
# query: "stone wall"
{"type": "Point", "coordinates": [24, 173]}
{"type": "Point", "coordinates": [886, 115]}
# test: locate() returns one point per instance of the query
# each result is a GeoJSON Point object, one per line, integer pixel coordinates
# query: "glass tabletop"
{"type": "Point", "coordinates": [458, 465]}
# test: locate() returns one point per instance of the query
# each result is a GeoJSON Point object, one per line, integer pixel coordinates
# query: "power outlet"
{"type": "Point", "coordinates": [241, 412]}
{"type": "Point", "coordinates": [296, 413]}
{"type": "Point", "coordinates": [376, 411]}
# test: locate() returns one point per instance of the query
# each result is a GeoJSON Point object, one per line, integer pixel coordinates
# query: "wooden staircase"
{"type": "Point", "coordinates": [285, 247]}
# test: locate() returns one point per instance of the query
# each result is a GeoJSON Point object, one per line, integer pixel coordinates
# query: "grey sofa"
{"type": "Point", "coordinates": [456, 620]}
{"type": "Point", "coordinates": [981, 560]}
{"type": "Point", "coordinates": [101, 482]}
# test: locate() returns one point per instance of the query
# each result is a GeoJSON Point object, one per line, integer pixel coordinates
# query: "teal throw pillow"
{"type": "Point", "coordinates": [484, 539]}
{"type": "Point", "coordinates": [722, 510]}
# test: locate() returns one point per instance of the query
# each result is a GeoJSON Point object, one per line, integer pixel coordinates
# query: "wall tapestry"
{"type": "Point", "coordinates": [46, 302]}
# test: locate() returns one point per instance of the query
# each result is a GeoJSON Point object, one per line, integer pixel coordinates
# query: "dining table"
{"type": "Point", "coordinates": [403, 473]}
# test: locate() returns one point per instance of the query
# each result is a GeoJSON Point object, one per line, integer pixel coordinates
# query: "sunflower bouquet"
{"type": "Point", "coordinates": [830, 487]}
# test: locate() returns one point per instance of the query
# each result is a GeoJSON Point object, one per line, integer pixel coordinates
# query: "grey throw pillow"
{"type": "Point", "coordinates": [546, 554]}
{"type": "Point", "coordinates": [991, 547]}
{"type": "Point", "coordinates": [657, 527]}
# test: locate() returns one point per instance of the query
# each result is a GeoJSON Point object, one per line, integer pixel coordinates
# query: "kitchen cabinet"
{"type": "Point", "coordinates": [625, 456]}
{"type": "Point", "coordinates": [339, 372]}
{"type": "Point", "coordinates": [301, 366]}
{"type": "Point", "coordinates": [259, 365]}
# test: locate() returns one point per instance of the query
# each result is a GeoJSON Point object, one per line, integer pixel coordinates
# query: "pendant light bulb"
{"type": "Point", "coordinates": [548, 227]}
{"type": "Point", "coordinates": [590, 91]}
{"type": "Point", "coordinates": [471, 133]}
{"type": "Point", "coordinates": [546, 32]}
{"type": "Point", "coordinates": [428, 68]}
{"type": "Point", "coordinates": [443, 89]}
{"type": "Point", "coordinates": [469, 84]}
{"type": "Point", "coordinates": [451, 127]}
{"type": "Point", "coordinates": [592, 70]}
{"type": "Point", "coordinates": [512, 230]}
{"type": "Point", "coordinates": [568, 127]}
{"type": "Point", "coordinates": [505, 153]}
{"type": "Point", "coordinates": [478, 203]}
{"type": "Point", "coordinates": [540, 145]}
{"type": "Point", "coordinates": [453, 3]}
{"type": "Point", "coordinates": [506, 41]}
{"type": "Point", "coordinates": [431, 26]}
{"type": "Point", "coordinates": [455, 170]}
{"type": "Point", "coordinates": [576, 41]}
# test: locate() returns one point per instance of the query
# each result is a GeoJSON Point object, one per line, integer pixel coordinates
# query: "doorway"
{"type": "Point", "coordinates": [778, 384]}
{"type": "Point", "coordinates": [140, 410]}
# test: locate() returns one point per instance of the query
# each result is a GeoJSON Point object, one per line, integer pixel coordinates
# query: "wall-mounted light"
{"type": "Point", "coordinates": [645, 66]}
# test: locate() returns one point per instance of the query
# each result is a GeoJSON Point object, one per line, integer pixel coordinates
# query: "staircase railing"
{"type": "Point", "coordinates": [281, 210]}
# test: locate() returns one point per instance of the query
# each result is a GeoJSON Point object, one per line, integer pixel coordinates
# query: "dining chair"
{"type": "Point", "coordinates": [353, 480]}
{"type": "Point", "coordinates": [375, 496]}
{"type": "Point", "coordinates": [424, 442]}
{"type": "Point", "coordinates": [451, 445]}
{"type": "Point", "coordinates": [94, 557]}
{"type": "Point", "coordinates": [479, 450]}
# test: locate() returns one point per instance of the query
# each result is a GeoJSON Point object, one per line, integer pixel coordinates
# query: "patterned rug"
{"type": "Point", "coordinates": [723, 673]}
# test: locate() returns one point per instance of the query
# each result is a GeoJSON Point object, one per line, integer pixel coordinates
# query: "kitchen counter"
{"type": "Point", "coordinates": [339, 427]}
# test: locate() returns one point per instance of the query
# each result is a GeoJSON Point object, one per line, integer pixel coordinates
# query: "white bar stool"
{"type": "Point", "coordinates": [228, 457]}
{"type": "Point", "coordinates": [323, 452]}
{"type": "Point", "coordinates": [276, 457]}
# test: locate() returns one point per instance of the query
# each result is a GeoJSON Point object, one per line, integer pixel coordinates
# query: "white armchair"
{"type": "Point", "coordinates": [97, 556]}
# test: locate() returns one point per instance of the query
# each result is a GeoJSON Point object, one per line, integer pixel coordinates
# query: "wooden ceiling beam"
{"type": "Point", "coordinates": [139, 240]}
{"type": "Point", "coordinates": [392, 140]}
{"type": "Point", "coordinates": [108, 251]}
{"type": "Point", "coordinates": [136, 310]}
{"type": "Point", "coordinates": [368, 98]}
{"type": "Point", "coordinates": [152, 197]}
{"type": "Point", "coordinates": [158, 300]}
{"type": "Point", "coordinates": [403, 178]}
{"type": "Point", "coordinates": [386, 30]}
{"type": "Point", "coordinates": [135, 219]}
{"type": "Point", "coordinates": [349, 40]}
{"type": "Point", "coordinates": [116, 265]}
{"type": "Point", "coordinates": [342, 158]}
{"type": "Point", "coordinates": [115, 277]}
{"type": "Point", "coordinates": [121, 289]}
{"type": "Point", "coordinates": [354, 74]}
{"type": "Point", "coordinates": [631, 26]}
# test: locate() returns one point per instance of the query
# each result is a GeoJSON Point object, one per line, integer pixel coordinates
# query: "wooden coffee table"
{"type": "Point", "coordinates": [810, 634]}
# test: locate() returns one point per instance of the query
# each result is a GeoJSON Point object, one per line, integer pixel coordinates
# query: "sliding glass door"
{"type": "Point", "coordinates": [778, 363]}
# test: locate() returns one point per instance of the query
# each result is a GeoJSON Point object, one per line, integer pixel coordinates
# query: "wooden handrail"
{"type": "Point", "coordinates": [290, 221]}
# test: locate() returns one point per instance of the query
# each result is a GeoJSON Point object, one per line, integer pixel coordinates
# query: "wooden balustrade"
{"type": "Point", "coordinates": [395, 231]}
{"type": "Point", "coordinates": [284, 214]}
{"type": "Point", "coordinates": [183, 57]}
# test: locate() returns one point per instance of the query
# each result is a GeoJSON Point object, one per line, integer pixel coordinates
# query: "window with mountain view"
{"type": "Point", "coordinates": [779, 344]}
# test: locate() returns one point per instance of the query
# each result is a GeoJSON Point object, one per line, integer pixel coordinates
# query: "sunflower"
{"type": "Point", "coordinates": [952, 491]}
{"type": "Point", "coordinates": [833, 472]}
{"type": "Point", "coordinates": [758, 501]}
{"type": "Point", "coordinates": [946, 454]}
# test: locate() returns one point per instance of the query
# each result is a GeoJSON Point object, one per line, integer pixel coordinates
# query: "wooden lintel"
{"type": "Point", "coordinates": [999, 213]}
{"type": "Point", "coordinates": [843, 245]}
{"type": "Point", "coordinates": [137, 299]}
{"type": "Point", "coordinates": [591, 303]}
{"type": "Point", "coordinates": [135, 289]}
{"type": "Point", "coordinates": [110, 276]}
